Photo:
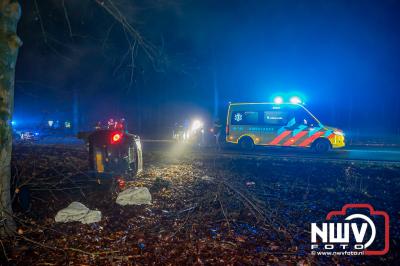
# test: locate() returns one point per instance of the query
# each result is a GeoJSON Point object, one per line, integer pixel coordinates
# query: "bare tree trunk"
{"type": "Point", "coordinates": [10, 13]}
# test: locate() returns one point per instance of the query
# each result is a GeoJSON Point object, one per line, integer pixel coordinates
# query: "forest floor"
{"type": "Point", "coordinates": [205, 210]}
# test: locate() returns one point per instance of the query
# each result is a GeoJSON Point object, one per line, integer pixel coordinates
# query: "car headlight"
{"type": "Point", "coordinates": [339, 133]}
{"type": "Point", "coordinates": [196, 125]}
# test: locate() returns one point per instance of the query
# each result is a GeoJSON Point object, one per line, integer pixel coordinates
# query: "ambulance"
{"type": "Point", "coordinates": [279, 124]}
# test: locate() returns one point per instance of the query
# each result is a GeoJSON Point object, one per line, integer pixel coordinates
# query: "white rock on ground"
{"type": "Point", "coordinates": [77, 212]}
{"type": "Point", "coordinates": [134, 196]}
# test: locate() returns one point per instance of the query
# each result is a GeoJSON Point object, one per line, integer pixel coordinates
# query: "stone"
{"type": "Point", "coordinates": [77, 212]}
{"type": "Point", "coordinates": [134, 196]}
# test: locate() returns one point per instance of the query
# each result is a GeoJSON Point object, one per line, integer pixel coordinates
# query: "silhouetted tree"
{"type": "Point", "coordinates": [10, 12]}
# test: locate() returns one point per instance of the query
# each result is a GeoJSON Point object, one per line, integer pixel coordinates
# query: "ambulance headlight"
{"type": "Point", "coordinates": [339, 133]}
{"type": "Point", "coordinates": [295, 100]}
{"type": "Point", "coordinates": [278, 100]}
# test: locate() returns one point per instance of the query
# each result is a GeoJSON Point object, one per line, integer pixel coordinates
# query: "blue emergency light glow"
{"type": "Point", "coordinates": [278, 100]}
{"type": "Point", "coordinates": [13, 123]}
{"type": "Point", "coordinates": [295, 100]}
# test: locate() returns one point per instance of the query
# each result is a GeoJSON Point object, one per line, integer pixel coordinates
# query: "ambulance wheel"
{"type": "Point", "coordinates": [246, 143]}
{"type": "Point", "coordinates": [321, 145]}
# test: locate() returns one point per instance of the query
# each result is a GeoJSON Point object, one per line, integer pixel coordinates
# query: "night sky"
{"type": "Point", "coordinates": [342, 56]}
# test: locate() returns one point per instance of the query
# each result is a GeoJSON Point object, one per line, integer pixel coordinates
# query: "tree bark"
{"type": "Point", "coordinates": [10, 13]}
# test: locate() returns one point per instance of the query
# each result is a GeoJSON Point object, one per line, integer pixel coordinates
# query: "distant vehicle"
{"type": "Point", "coordinates": [279, 124]}
{"type": "Point", "coordinates": [29, 136]}
{"type": "Point", "coordinates": [179, 133]}
{"type": "Point", "coordinates": [192, 133]}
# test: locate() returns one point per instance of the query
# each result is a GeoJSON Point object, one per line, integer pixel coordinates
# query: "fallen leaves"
{"type": "Point", "coordinates": [204, 211]}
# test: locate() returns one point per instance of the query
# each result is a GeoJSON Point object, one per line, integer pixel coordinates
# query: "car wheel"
{"type": "Point", "coordinates": [321, 145]}
{"type": "Point", "coordinates": [246, 143]}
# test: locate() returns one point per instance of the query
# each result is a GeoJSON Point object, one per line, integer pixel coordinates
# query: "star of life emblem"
{"type": "Point", "coordinates": [238, 117]}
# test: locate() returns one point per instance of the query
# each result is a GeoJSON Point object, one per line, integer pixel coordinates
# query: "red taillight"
{"type": "Point", "coordinates": [116, 137]}
{"type": "Point", "coordinates": [227, 130]}
{"type": "Point", "coordinates": [121, 183]}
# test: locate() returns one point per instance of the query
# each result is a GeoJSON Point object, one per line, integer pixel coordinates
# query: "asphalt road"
{"type": "Point", "coordinates": [349, 153]}
{"type": "Point", "coordinates": [359, 153]}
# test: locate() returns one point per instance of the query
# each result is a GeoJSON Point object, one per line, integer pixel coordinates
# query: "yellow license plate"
{"type": "Point", "coordinates": [99, 162]}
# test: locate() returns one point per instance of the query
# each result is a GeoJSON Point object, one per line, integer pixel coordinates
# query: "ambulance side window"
{"type": "Point", "coordinates": [276, 118]}
{"type": "Point", "coordinates": [304, 118]}
{"type": "Point", "coordinates": [244, 118]}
